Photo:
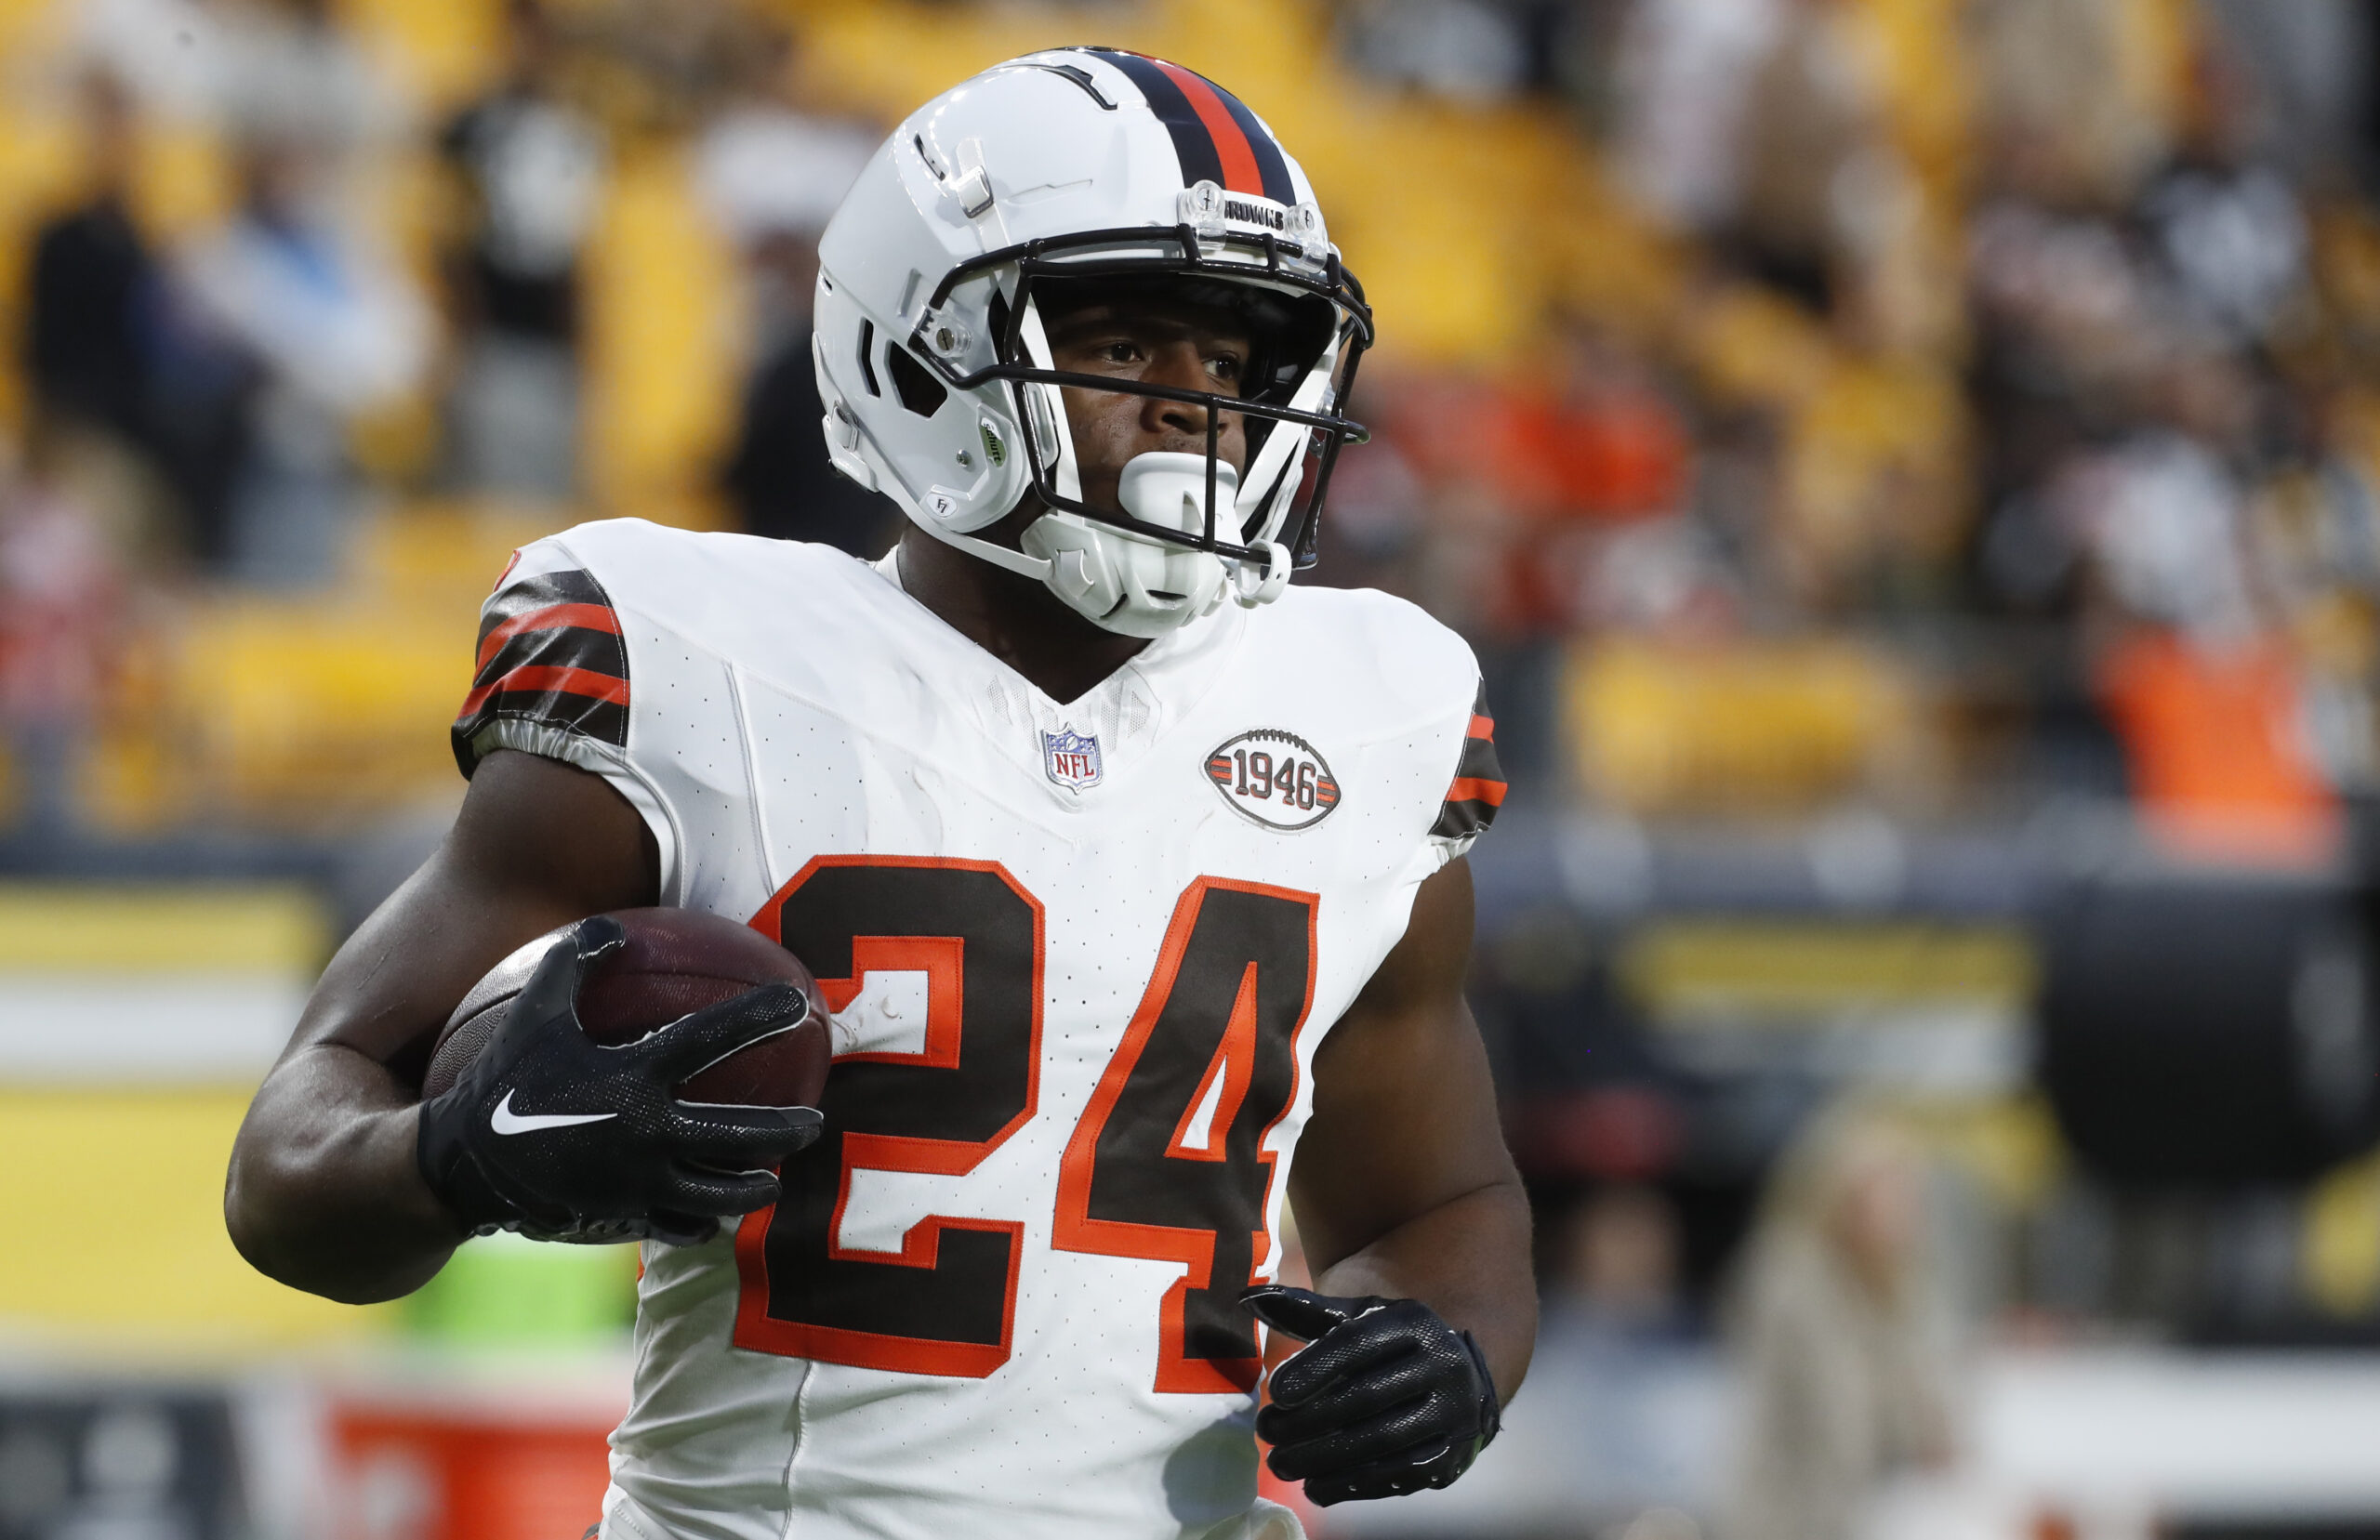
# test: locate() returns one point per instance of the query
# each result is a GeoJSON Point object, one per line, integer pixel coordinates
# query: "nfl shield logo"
{"type": "Point", "coordinates": [1071, 757]}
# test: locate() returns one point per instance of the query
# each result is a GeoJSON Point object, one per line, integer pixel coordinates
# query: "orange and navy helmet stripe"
{"type": "Point", "coordinates": [1215, 136]}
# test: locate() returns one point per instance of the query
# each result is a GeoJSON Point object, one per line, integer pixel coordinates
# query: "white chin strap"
{"type": "Point", "coordinates": [1132, 584]}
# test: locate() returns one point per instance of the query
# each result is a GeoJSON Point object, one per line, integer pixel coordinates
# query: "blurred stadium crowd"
{"type": "Point", "coordinates": [1876, 446]}
{"type": "Point", "coordinates": [1930, 403]}
{"type": "Point", "coordinates": [1934, 404]}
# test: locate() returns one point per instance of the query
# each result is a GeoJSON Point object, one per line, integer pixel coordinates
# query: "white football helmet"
{"type": "Point", "coordinates": [940, 388]}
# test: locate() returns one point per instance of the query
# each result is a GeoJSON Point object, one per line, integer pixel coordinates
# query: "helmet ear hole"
{"type": "Point", "coordinates": [919, 390]}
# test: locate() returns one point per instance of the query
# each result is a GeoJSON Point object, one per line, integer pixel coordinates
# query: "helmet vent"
{"type": "Point", "coordinates": [1081, 77]}
{"type": "Point", "coordinates": [866, 359]}
{"type": "Point", "coordinates": [920, 391]}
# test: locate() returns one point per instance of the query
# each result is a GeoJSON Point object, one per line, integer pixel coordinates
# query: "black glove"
{"type": "Point", "coordinates": [1385, 1397]}
{"type": "Point", "coordinates": [556, 1136]}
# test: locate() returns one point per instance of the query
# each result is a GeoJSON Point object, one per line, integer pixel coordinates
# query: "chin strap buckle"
{"type": "Point", "coordinates": [1268, 587]}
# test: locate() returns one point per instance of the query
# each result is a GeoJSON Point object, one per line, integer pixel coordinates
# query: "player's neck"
{"type": "Point", "coordinates": [1012, 617]}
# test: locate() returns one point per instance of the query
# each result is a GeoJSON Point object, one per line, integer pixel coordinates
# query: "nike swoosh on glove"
{"type": "Point", "coordinates": [1385, 1397]}
{"type": "Point", "coordinates": [593, 1145]}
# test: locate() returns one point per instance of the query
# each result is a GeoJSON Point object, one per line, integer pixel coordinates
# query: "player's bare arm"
{"type": "Point", "coordinates": [1406, 1189]}
{"type": "Point", "coordinates": [352, 1183]}
{"type": "Point", "coordinates": [326, 1193]}
{"type": "Point", "coordinates": [1402, 1189]}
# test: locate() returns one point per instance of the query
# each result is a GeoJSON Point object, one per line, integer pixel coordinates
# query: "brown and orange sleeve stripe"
{"type": "Point", "coordinates": [550, 653]}
{"type": "Point", "coordinates": [1478, 787]}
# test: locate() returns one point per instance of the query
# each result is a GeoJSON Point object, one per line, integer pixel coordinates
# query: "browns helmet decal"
{"type": "Point", "coordinates": [1216, 137]}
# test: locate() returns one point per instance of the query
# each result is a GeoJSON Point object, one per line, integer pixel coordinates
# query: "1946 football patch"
{"type": "Point", "coordinates": [1275, 778]}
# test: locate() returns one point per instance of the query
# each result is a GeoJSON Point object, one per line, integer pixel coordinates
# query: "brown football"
{"type": "Point", "coordinates": [676, 961]}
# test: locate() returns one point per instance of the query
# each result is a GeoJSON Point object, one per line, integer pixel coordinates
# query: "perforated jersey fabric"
{"type": "Point", "coordinates": [1080, 955]}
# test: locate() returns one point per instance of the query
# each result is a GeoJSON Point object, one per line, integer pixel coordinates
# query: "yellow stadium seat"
{"type": "Point", "coordinates": [1775, 728]}
{"type": "Point", "coordinates": [662, 357]}
{"type": "Point", "coordinates": [443, 556]}
{"type": "Point", "coordinates": [441, 53]}
{"type": "Point", "coordinates": [322, 707]}
{"type": "Point", "coordinates": [299, 709]}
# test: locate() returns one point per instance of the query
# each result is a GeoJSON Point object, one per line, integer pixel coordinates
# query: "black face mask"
{"type": "Point", "coordinates": [1285, 332]}
{"type": "Point", "coordinates": [1294, 312]}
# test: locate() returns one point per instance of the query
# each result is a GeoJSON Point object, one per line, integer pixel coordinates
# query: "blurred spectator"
{"type": "Point", "coordinates": [1616, 1267]}
{"type": "Point", "coordinates": [1532, 481]}
{"type": "Point", "coordinates": [61, 603]}
{"type": "Point", "coordinates": [2230, 230]}
{"type": "Point", "coordinates": [2068, 94]}
{"type": "Point", "coordinates": [2233, 236]}
{"type": "Point", "coordinates": [772, 175]}
{"type": "Point", "coordinates": [2216, 747]}
{"type": "Point", "coordinates": [1822, 187]}
{"type": "Point", "coordinates": [1683, 67]}
{"type": "Point", "coordinates": [2188, 607]}
{"type": "Point", "coordinates": [2316, 529]}
{"type": "Point", "coordinates": [2307, 61]}
{"type": "Point", "coordinates": [2069, 334]}
{"type": "Point", "coordinates": [92, 277]}
{"type": "Point", "coordinates": [1471, 50]}
{"type": "Point", "coordinates": [1844, 1328]}
{"type": "Point", "coordinates": [780, 478]}
{"type": "Point", "coordinates": [111, 365]}
{"type": "Point", "coordinates": [662, 66]}
{"type": "Point", "coordinates": [532, 168]}
{"type": "Point", "coordinates": [288, 70]}
{"type": "Point", "coordinates": [2135, 415]}
{"type": "Point", "coordinates": [1618, 1347]}
{"type": "Point", "coordinates": [165, 51]}
{"type": "Point", "coordinates": [1591, 439]}
{"type": "Point", "coordinates": [1374, 520]}
{"type": "Point", "coordinates": [765, 165]}
{"type": "Point", "coordinates": [333, 330]}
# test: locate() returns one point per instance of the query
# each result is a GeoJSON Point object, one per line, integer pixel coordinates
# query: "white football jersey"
{"type": "Point", "coordinates": [1079, 956]}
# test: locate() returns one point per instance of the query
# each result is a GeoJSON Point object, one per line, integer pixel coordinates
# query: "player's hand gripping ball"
{"type": "Point", "coordinates": [1385, 1397]}
{"type": "Point", "coordinates": [575, 1097]}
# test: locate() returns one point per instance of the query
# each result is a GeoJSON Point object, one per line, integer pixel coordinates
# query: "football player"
{"type": "Point", "coordinates": [1134, 877]}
